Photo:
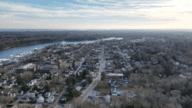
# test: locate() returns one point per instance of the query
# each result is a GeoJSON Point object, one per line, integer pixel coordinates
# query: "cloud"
{"type": "Point", "coordinates": [109, 12]}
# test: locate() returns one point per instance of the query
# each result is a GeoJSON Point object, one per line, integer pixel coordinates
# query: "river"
{"type": "Point", "coordinates": [23, 50]}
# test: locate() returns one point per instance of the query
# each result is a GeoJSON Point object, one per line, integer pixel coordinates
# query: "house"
{"type": "Point", "coordinates": [48, 68]}
{"type": "Point", "coordinates": [63, 99]}
{"type": "Point", "coordinates": [8, 85]}
{"type": "Point", "coordinates": [29, 66]}
{"type": "Point", "coordinates": [24, 99]}
{"type": "Point", "coordinates": [8, 94]}
{"type": "Point", "coordinates": [13, 94]}
{"type": "Point", "coordinates": [39, 95]}
{"type": "Point", "coordinates": [123, 69]}
{"type": "Point", "coordinates": [32, 82]}
{"type": "Point", "coordinates": [132, 95]}
{"type": "Point", "coordinates": [31, 94]}
{"type": "Point", "coordinates": [38, 78]}
{"type": "Point", "coordinates": [107, 98]}
{"type": "Point", "coordinates": [40, 99]}
{"type": "Point", "coordinates": [115, 92]}
{"type": "Point", "coordinates": [40, 86]}
{"type": "Point", "coordinates": [4, 80]}
{"type": "Point", "coordinates": [53, 92]}
{"type": "Point", "coordinates": [124, 79]}
{"type": "Point", "coordinates": [41, 91]}
{"type": "Point", "coordinates": [78, 88]}
{"type": "Point", "coordinates": [1, 83]}
{"type": "Point", "coordinates": [47, 94]}
{"type": "Point", "coordinates": [66, 75]}
{"type": "Point", "coordinates": [114, 84]}
{"type": "Point", "coordinates": [56, 74]}
{"type": "Point", "coordinates": [50, 99]}
{"type": "Point", "coordinates": [184, 75]}
{"type": "Point", "coordinates": [20, 93]}
{"type": "Point", "coordinates": [91, 74]}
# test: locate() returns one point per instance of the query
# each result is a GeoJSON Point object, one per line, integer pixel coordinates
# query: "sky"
{"type": "Point", "coordinates": [96, 14]}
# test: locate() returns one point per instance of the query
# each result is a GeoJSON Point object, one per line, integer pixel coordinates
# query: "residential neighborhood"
{"type": "Point", "coordinates": [116, 73]}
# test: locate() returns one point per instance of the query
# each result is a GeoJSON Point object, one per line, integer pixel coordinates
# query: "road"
{"type": "Point", "coordinates": [123, 56]}
{"type": "Point", "coordinates": [80, 65]}
{"type": "Point", "coordinates": [60, 95]}
{"type": "Point", "coordinates": [95, 81]}
{"type": "Point", "coordinates": [16, 102]}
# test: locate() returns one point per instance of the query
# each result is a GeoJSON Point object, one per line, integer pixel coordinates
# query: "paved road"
{"type": "Point", "coordinates": [16, 102]}
{"type": "Point", "coordinates": [123, 56]}
{"type": "Point", "coordinates": [95, 81]}
{"type": "Point", "coordinates": [80, 66]}
{"type": "Point", "coordinates": [60, 95]}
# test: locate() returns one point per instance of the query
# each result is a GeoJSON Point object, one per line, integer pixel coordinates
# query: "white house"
{"type": "Point", "coordinates": [31, 94]}
{"type": "Point", "coordinates": [40, 99]}
{"type": "Point", "coordinates": [32, 82]}
{"type": "Point", "coordinates": [50, 99]}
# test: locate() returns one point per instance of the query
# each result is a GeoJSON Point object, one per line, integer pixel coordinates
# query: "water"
{"type": "Point", "coordinates": [17, 51]}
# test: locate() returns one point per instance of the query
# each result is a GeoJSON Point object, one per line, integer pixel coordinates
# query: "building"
{"type": "Point", "coordinates": [31, 94]}
{"type": "Point", "coordinates": [48, 68]}
{"type": "Point", "coordinates": [115, 92]}
{"type": "Point", "coordinates": [40, 99]}
{"type": "Point", "coordinates": [107, 98]}
{"type": "Point", "coordinates": [78, 88]}
{"type": "Point", "coordinates": [24, 99]}
{"type": "Point", "coordinates": [47, 94]}
{"type": "Point", "coordinates": [50, 99]}
{"type": "Point", "coordinates": [184, 75]}
{"type": "Point", "coordinates": [53, 92]}
{"type": "Point", "coordinates": [124, 79]}
{"type": "Point", "coordinates": [20, 93]}
{"type": "Point", "coordinates": [63, 99]}
{"type": "Point", "coordinates": [114, 84]}
{"type": "Point", "coordinates": [32, 82]}
{"type": "Point", "coordinates": [114, 74]}
{"type": "Point", "coordinates": [29, 66]}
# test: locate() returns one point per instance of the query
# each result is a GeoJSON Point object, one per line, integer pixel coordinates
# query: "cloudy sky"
{"type": "Point", "coordinates": [96, 14]}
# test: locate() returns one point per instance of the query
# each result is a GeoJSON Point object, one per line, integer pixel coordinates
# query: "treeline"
{"type": "Point", "coordinates": [15, 39]}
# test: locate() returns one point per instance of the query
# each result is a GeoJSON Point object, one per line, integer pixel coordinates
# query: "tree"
{"type": "Point", "coordinates": [58, 63]}
{"type": "Point", "coordinates": [72, 92]}
{"type": "Point", "coordinates": [47, 87]}
{"type": "Point", "coordinates": [103, 75]}
{"type": "Point", "coordinates": [71, 80]}
{"type": "Point", "coordinates": [35, 87]}
{"type": "Point", "coordinates": [89, 80]}
{"type": "Point", "coordinates": [27, 76]}
{"type": "Point", "coordinates": [73, 65]}
{"type": "Point", "coordinates": [25, 88]}
{"type": "Point", "coordinates": [84, 73]}
{"type": "Point", "coordinates": [167, 71]}
{"type": "Point", "coordinates": [20, 81]}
